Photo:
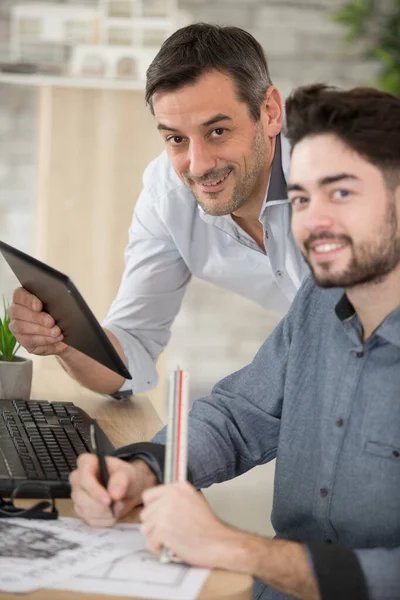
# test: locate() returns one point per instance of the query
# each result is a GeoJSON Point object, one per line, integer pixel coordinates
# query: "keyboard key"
{"type": "Point", "coordinates": [41, 441]}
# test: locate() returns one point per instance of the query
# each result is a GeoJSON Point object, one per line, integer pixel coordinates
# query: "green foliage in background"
{"type": "Point", "coordinates": [377, 24]}
{"type": "Point", "coordinates": [8, 343]}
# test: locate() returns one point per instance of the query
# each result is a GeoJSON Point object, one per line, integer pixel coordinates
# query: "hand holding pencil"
{"type": "Point", "coordinates": [97, 448]}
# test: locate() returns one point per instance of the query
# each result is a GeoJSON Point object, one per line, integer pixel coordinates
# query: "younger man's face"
{"type": "Point", "coordinates": [213, 143]}
{"type": "Point", "coordinates": [345, 219]}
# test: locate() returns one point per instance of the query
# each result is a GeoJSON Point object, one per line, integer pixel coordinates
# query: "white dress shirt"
{"type": "Point", "coordinates": [171, 239]}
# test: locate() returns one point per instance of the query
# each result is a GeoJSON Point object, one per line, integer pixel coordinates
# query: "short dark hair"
{"type": "Point", "coordinates": [366, 119]}
{"type": "Point", "coordinates": [201, 47]}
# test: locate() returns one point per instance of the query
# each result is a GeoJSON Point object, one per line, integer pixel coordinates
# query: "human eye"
{"type": "Point", "coordinates": [217, 132]}
{"type": "Point", "coordinates": [339, 194]}
{"type": "Point", "coordinates": [174, 140]}
{"type": "Point", "coordinates": [298, 201]}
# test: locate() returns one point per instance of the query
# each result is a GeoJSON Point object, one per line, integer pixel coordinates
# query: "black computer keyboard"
{"type": "Point", "coordinates": [40, 442]}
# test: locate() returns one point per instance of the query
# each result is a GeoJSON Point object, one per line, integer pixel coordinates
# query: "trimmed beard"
{"type": "Point", "coordinates": [370, 263]}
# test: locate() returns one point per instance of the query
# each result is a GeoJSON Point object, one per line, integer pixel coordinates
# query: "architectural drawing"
{"type": "Point", "coordinates": [148, 570]}
{"type": "Point", "coordinates": [34, 554]}
{"type": "Point", "coordinates": [20, 542]}
{"type": "Point", "coordinates": [138, 573]}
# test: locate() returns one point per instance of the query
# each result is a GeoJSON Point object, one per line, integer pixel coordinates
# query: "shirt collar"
{"type": "Point", "coordinates": [389, 329]}
{"type": "Point", "coordinates": [344, 308]}
{"type": "Point", "coordinates": [277, 183]}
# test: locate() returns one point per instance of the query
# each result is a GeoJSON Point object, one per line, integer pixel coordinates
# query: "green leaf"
{"type": "Point", "coordinates": [8, 343]}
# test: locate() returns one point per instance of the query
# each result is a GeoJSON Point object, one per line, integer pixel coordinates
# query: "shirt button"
{"type": "Point", "coordinates": [339, 422]}
{"type": "Point", "coordinates": [360, 354]}
{"type": "Point", "coordinates": [323, 492]}
{"type": "Point", "coordinates": [280, 273]}
{"type": "Point", "coordinates": [396, 454]}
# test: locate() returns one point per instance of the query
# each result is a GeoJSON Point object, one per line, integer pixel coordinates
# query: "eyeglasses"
{"type": "Point", "coordinates": [44, 509]}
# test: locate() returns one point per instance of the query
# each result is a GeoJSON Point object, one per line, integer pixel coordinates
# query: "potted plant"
{"type": "Point", "coordinates": [15, 371]}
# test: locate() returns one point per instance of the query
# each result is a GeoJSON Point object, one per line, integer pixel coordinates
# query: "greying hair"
{"type": "Point", "coordinates": [201, 47]}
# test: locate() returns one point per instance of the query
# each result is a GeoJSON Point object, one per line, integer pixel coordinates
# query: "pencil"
{"type": "Point", "coordinates": [97, 448]}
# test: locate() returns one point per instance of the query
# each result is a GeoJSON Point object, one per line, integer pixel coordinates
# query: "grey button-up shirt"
{"type": "Point", "coordinates": [327, 406]}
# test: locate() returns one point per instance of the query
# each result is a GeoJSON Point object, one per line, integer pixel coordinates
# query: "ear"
{"type": "Point", "coordinates": [271, 112]}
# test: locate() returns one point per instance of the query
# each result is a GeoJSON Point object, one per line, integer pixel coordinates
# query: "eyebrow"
{"type": "Point", "coordinates": [215, 119]}
{"type": "Point", "coordinates": [323, 181]}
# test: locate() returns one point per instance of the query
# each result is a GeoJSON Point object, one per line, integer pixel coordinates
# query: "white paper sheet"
{"type": "Point", "coordinates": [33, 554]}
{"type": "Point", "coordinates": [138, 573]}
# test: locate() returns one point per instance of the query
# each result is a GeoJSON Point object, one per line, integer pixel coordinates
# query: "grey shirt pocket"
{"type": "Point", "coordinates": [383, 450]}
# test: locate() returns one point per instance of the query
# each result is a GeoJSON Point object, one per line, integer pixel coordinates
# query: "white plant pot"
{"type": "Point", "coordinates": [15, 378]}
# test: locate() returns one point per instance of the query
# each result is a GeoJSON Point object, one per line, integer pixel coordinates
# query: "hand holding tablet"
{"type": "Point", "coordinates": [61, 299]}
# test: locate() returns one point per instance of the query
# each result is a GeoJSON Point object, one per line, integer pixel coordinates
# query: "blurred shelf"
{"type": "Point", "coordinates": [71, 82]}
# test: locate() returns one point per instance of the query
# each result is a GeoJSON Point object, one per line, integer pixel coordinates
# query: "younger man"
{"type": "Point", "coordinates": [321, 395]}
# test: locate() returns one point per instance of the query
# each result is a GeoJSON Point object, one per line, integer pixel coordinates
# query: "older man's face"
{"type": "Point", "coordinates": [345, 219]}
{"type": "Point", "coordinates": [219, 152]}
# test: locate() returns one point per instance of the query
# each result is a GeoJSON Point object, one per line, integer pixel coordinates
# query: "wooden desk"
{"type": "Point", "coordinates": [130, 421]}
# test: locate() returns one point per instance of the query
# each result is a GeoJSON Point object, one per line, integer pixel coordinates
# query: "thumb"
{"type": "Point", "coordinates": [122, 481]}
{"type": "Point", "coordinates": [119, 486]}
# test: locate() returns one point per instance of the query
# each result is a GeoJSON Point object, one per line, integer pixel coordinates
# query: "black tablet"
{"type": "Point", "coordinates": [65, 304]}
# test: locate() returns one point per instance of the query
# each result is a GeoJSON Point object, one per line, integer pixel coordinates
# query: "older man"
{"type": "Point", "coordinates": [214, 205]}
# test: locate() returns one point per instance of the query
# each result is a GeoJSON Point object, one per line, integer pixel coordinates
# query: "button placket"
{"type": "Point", "coordinates": [324, 491]}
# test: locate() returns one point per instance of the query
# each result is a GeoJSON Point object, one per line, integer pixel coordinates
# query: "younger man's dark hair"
{"type": "Point", "coordinates": [366, 119]}
{"type": "Point", "coordinates": [201, 47]}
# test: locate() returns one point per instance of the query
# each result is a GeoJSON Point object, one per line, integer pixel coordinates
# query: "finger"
{"type": "Point", "coordinates": [147, 529]}
{"type": "Point", "coordinates": [152, 494]}
{"type": "Point", "coordinates": [124, 479]}
{"type": "Point", "coordinates": [121, 507]}
{"type": "Point", "coordinates": [44, 350]}
{"type": "Point", "coordinates": [154, 545]}
{"type": "Point", "coordinates": [25, 298]}
{"type": "Point", "coordinates": [150, 512]}
{"type": "Point", "coordinates": [19, 327]}
{"type": "Point", "coordinates": [31, 342]}
{"type": "Point", "coordinates": [93, 513]}
{"type": "Point", "coordinates": [118, 485]}
{"type": "Point", "coordinates": [16, 311]}
{"type": "Point", "coordinates": [87, 479]}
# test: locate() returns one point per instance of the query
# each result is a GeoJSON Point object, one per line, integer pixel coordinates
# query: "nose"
{"type": "Point", "coordinates": [201, 159]}
{"type": "Point", "coordinates": [318, 216]}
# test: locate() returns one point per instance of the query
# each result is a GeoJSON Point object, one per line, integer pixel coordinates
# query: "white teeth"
{"type": "Point", "coordinates": [327, 247]}
{"type": "Point", "coordinates": [210, 184]}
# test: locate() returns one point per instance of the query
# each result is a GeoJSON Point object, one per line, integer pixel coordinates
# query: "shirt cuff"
{"type": "Point", "coordinates": [153, 454]}
{"type": "Point", "coordinates": [151, 463]}
{"type": "Point", "coordinates": [140, 363]}
{"type": "Point", "coordinates": [120, 395]}
{"type": "Point", "coordinates": [338, 572]}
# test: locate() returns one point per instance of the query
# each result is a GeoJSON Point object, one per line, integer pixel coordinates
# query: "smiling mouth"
{"type": "Point", "coordinates": [216, 182]}
{"type": "Point", "coordinates": [327, 248]}
{"type": "Point", "coordinates": [213, 186]}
